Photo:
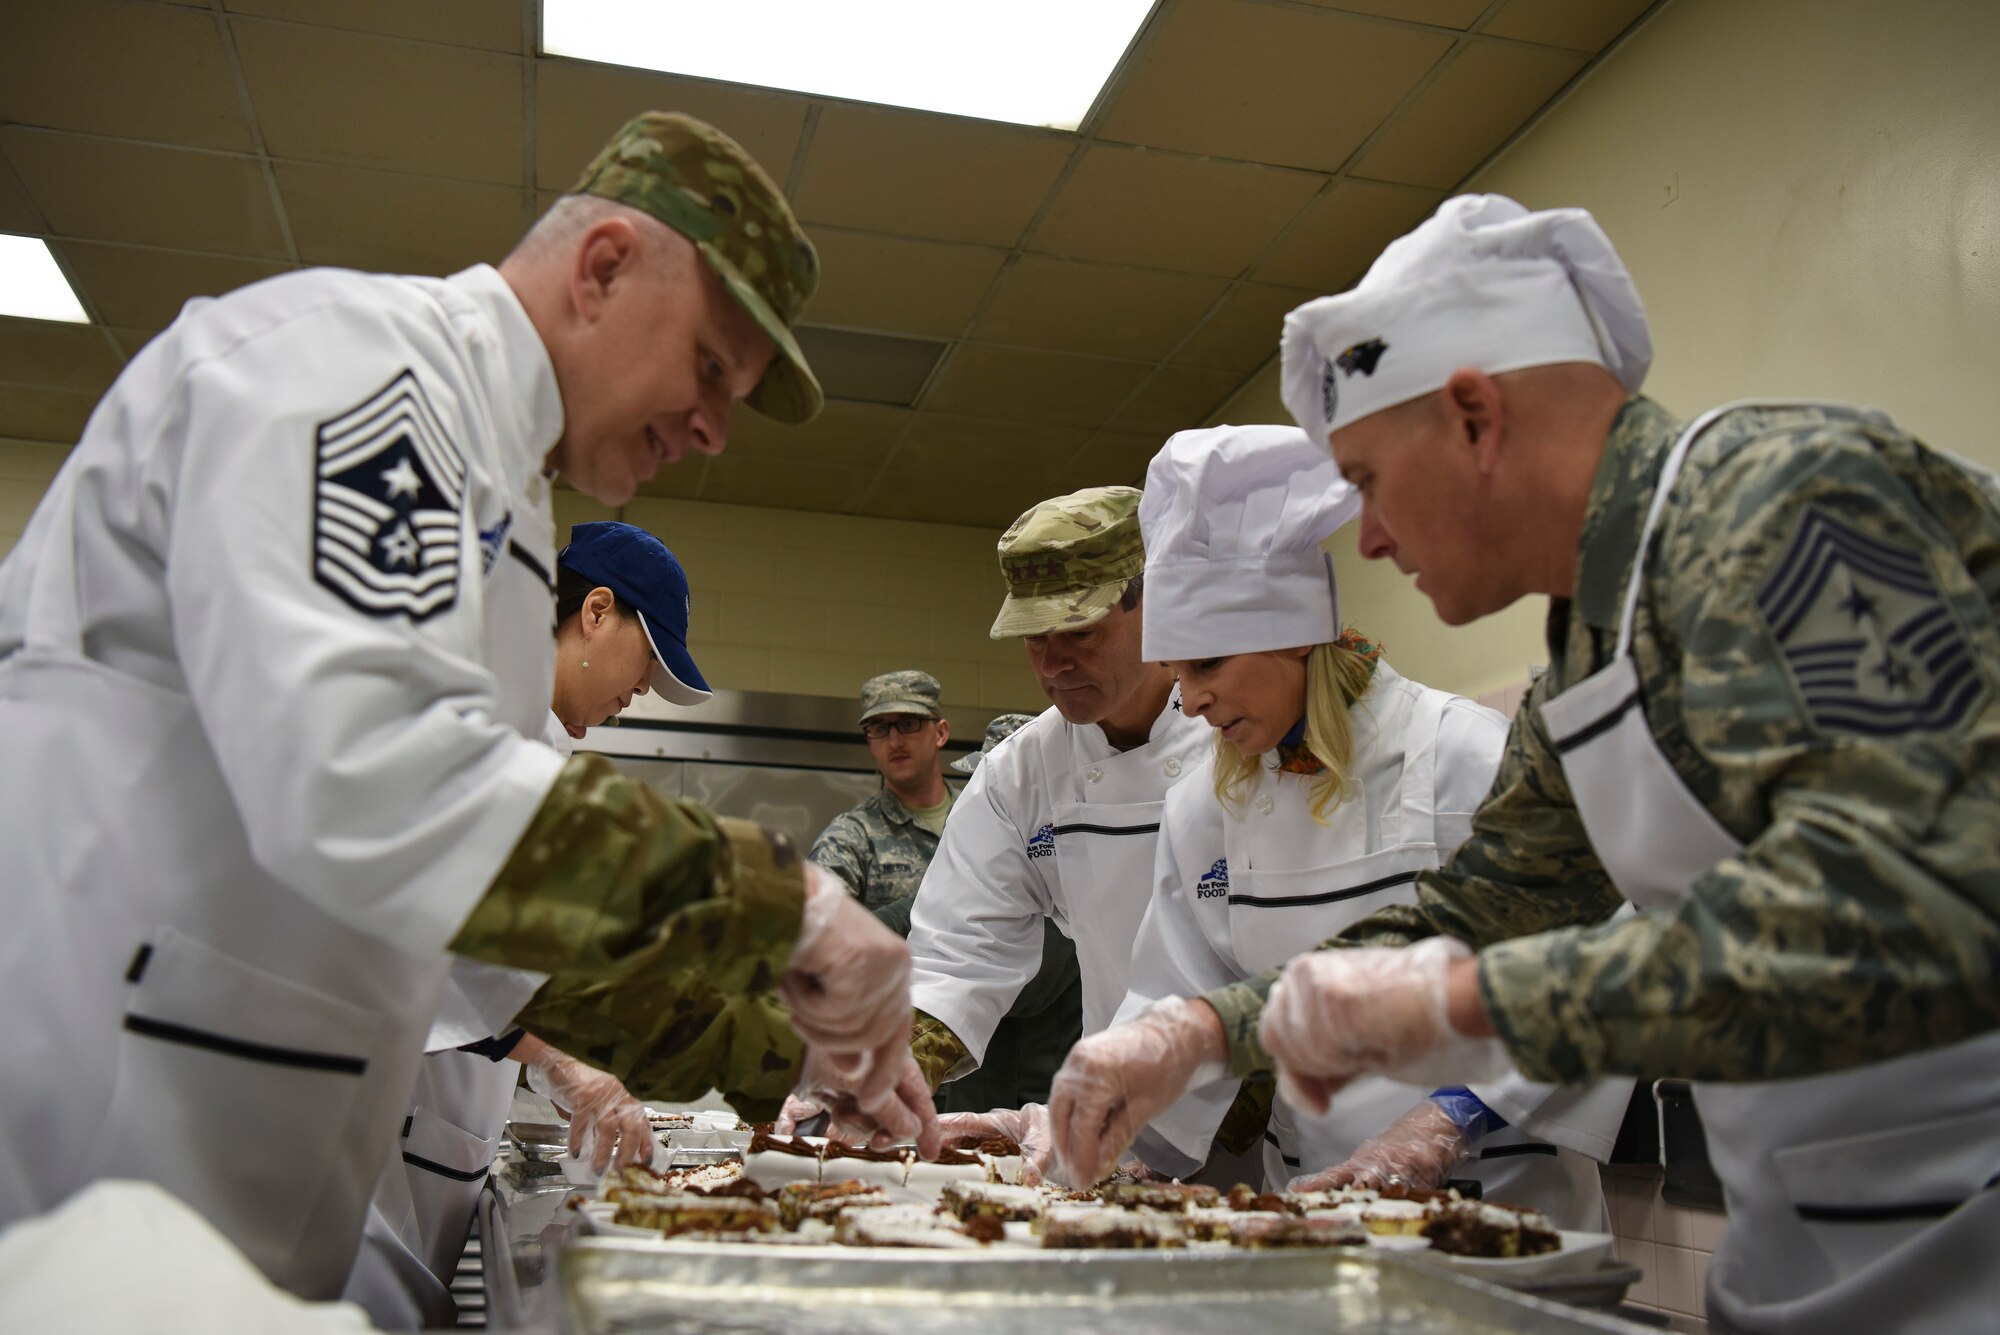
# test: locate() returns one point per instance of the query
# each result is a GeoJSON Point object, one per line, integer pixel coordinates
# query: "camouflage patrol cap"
{"type": "Point", "coordinates": [905, 692]}
{"type": "Point", "coordinates": [700, 182]}
{"type": "Point", "coordinates": [998, 731]}
{"type": "Point", "coordinates": [1068, 560]}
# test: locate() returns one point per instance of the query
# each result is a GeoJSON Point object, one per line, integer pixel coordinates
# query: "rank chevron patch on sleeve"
{"type": "Point", "coordinates": [1871, 643]}
{"type": "Point", "coordinates": [390, 491]}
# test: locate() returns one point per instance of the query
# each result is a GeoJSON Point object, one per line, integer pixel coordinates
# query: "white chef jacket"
{"type": "Point", "coordinates": [1239, 889]}
{"type": "Point", "coordinates": [271, 651]}
{"type": "Point", "coordinates": [1055, 823]}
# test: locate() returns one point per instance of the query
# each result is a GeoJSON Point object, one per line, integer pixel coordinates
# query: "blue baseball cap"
{"type": "Point", "coordinates": [637, 566]}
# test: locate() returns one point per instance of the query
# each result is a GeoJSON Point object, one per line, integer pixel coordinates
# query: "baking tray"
{"type": "Point", "coordinates": [615, 1286]}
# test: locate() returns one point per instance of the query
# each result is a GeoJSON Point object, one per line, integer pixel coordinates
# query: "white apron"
{"type": "Point", "coordinates": [1275, 915]}
{"type": "Point", "coordinates": [1860, 1201]}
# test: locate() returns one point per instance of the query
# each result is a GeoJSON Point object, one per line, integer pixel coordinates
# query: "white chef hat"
{"type": "Point", "coordinates": [1232, 518]}
{"type": "Point", "coordinates": [1482, 283]}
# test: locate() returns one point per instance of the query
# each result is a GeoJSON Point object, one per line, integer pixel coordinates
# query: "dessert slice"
{"type": "Point", "coordinates": [1067, 1227]}
{"type": "Point", "coordinates": [1489, 1229]}
{"type": "Point", "coordinates": [1167, 1197]}
{"type": "Point", "coordinates": [681, 1212]}
{"type": "Point", "coordinates": [900, 1226]}
{"type": "Point", "coordinates": [991, 1200]}
{"type": "Point", "coordinates": [1264, 1231]}
{"type": "Point", "coordinates": [799, 1202]}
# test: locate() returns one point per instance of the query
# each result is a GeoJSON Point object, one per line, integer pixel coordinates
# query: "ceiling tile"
{"type": "Point", "coordinates": [989, 503]}
{"type": "Point", "coordinates": [394, 223]}
{"type": "Point", "coordinates": [1166, 211]}
{"type": "Point", "coordinates": [1243, 334]}
{"type": "Point", "coordinates": [1113, 459]}
{"type": "Point", "coordinates": [494, 25]}
{"type": "Point", "coordinates": [844, 435]}
{"type": "Point", "coordinates": [145, 289]}
{"type": "Point", "coordinates": [361, 101]}
{"type": "Point", "coordinates": [910, 287]}
{"type": "Point", "coordinates": [1580, 25]}
{"type": "Point", "coordinates": [796, 486]}
{"type": "Point", "coordinates": [1095, 309]}
{"type": "Point", "coordinates": [979, 183]}
{"type": "Point", "coordinates": [1269, 84]}
{"type": "Point", "coordinates": [1177, 398]}
{"type": "Point", "coordinates": [1341, 235]}
{"type": "Point", "coordinates": [946, 446]}
{"type": "Point", "coordinates": [139, 71]}
{"type": "Point", "coordinates": [1483, 96]}
{"type": "Point", "coordinates": [1460, 14]}
{"type": "Point", "coordinates": [1033, 386]}
{"type": "Point", "coordinates": [194, 200]}
{"type": "Point", "coordinates": [579, 106]}
{"type": "Point", "coordinates": [869, 368]}
{"type": "Point", "coordinates": [33, 412]}
{"type": "Point", "coordinates": [17, 214]}
{"type": "Point", "coordinates": [71, 357]}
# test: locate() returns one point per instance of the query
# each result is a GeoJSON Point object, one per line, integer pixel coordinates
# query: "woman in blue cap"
{"type": "Point", "coordinates": [622, 607]}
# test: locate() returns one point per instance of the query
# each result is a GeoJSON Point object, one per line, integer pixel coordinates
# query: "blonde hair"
{"type": "Point", "coordinates": [1337, 675]}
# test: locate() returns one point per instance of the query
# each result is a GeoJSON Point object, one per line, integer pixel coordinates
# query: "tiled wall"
{"type": "Point", "coordinates": [814, 604]}
{"type": "Point", "coordinates": [1671, 1244]}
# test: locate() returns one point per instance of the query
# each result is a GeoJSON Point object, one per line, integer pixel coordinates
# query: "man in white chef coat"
{"type": "Point", "coordinates": [272, 651]}
{"type": "Point", "coordinates": [1060, 823]}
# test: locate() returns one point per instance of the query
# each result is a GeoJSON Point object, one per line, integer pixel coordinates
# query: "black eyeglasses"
{"type": "Point", "coordinates": [875, 729]}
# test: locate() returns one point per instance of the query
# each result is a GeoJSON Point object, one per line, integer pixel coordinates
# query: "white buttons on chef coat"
{"type": "Point", "coordinates": [1093, 774]}
{"type": "Point", "coordinates": [1264, 804]}
{"type": "Point", "coordinates": [1173, 767]}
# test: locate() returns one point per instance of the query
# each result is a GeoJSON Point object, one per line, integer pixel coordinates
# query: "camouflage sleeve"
{"type": "Point", "coordinates": [664, 930]}
{"type": "Point", "coordinates": [939, 1053]}
{"type": "Point", "coordinates": [895, 915]}
{"type": "Point", "coordinates": [842, 848]}
{"type": "Point", "coordinates": [1528, 867]}
{"type": "Point", "coordinates": [1824, 656]}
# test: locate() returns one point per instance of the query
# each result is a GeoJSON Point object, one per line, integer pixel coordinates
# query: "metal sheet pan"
{"type": "Point", "coordinates": [613, 1286]}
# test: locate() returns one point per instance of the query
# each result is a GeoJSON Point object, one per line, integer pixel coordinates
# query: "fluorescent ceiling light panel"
{"type": "Point", "coordinates": [31, 286]}
{"type": "Point", "coordinates": [1034, 62]}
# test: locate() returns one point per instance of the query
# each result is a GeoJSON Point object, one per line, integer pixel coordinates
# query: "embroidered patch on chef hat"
{"type": "Point", "coordinates": [1482, 283]}
{"type": "Point", "coordinates": [1233, 518]}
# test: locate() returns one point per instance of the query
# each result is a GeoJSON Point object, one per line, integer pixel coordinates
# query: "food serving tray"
{"type": "Point", "coordinates": [611, 1286]}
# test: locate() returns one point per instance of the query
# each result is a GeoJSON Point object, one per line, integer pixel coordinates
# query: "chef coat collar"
{"type": "Point", "coordinates": [533, 400]}
{"type": "Point", "coordinates": [1615, 514]}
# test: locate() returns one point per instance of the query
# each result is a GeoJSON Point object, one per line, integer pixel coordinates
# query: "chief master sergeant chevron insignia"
{"type": "Point", "coordinates": [1871, 643]}
{"type": "Point", "coordinates": [391, 486]}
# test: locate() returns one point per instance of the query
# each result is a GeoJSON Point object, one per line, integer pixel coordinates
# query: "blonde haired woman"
{"type": "Point", "coordinates": [1333, 784]}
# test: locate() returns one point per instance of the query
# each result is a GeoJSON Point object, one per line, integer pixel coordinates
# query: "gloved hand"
{"type": "Point", "coordinates": [1027, 1126]}
{"type": "Point", "coordinates": [848, 987]}
{"type": "Point", "coordinates": [1117, 1080]}
{"type": "Point", "coordinates": [606, 1124]}
{"type": "Point", "coordinates": [900, 1111]}
{"type": "Point", "coordinates": [1336, 1014]}
{"type": "Point", "coordinates": [795, 1111]}
{"type": "Point", "coordinates": [1420, 1148]}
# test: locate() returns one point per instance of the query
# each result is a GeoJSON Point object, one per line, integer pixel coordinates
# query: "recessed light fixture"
{"type": "Point", "coordinates": [31, 286]}
{"type": "Point", "coordinates": [1033, 62]}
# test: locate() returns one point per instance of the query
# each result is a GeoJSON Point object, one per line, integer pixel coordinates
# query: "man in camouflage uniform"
{"type": "Point", "coordinates": [882, 846]}
{"type": "Point", "coordinates": [1769, 720]}
{"type": "Point", "coordinates": [1059, 824]}
{"type": "Point", "coordinates": [274, 660]}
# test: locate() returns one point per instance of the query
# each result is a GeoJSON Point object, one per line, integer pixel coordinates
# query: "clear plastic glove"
{"type": "Point", "coordinates": [901, 1111]}
{"type": "Point", "coordinates": [1027, 1126]}
{"type": "Point", "coordinates": [1117, 1080]}
{"type": "Point", "coordinates": [1337, 1014]}
{"type": "Point", "coordinates": [795, 1111]}
{"type": "Point", "coordinates": [848, 987]}
{"type": "Point", "coordinates": [1419, 1149]}
{"type": "Point", "coordinates": [606, 1124]}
